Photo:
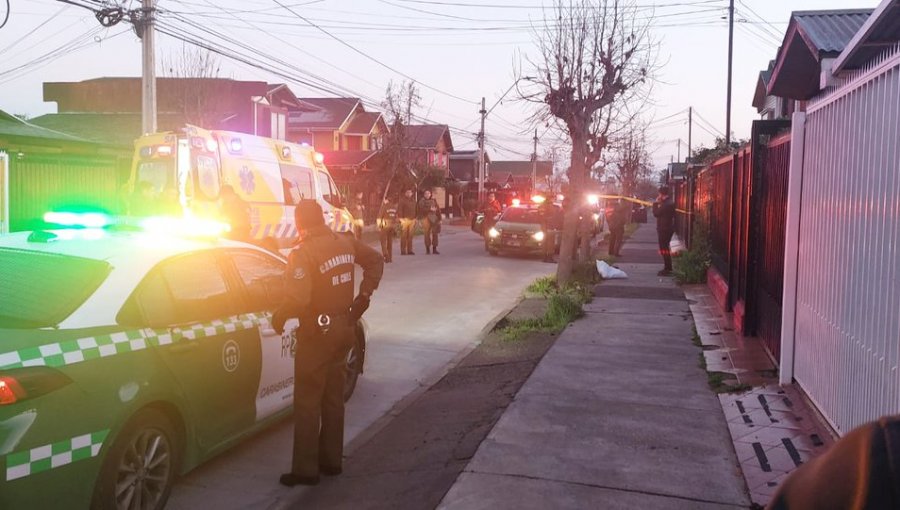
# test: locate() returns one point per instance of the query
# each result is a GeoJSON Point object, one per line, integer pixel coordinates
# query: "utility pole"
{"type": "Point", "coordinates": [481, 172]}
{"type": "Point", "coordinates": [534, 164]}
{"type": "Point", "coordinates": [148, 75]}
{"type": "Point", "coordinates": [690, 126]}
{"type": "Point", "coordinates": [679, 151]}
{"type": "Point", "coordinates": [730, 58]}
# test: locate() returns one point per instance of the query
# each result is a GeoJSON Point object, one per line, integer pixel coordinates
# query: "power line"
{"type": "Point", "coordinates": [338, 39]}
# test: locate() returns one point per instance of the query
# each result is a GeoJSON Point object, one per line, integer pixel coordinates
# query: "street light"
{"type": "Point", "coordinates": [484, 113]}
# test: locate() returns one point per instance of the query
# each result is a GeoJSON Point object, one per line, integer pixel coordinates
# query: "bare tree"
{"type": "Point", "coordinates": [195, 92]}
{"type": "Point", "coordinates": [595, 57]}
{"type": "Point", "coordinates": [399, 104]}
{"type": "Point", "coordinates": [630, 160]}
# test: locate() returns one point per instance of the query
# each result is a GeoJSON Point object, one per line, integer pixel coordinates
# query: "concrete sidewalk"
{"type": "Point", "coordinates": [618, 413]}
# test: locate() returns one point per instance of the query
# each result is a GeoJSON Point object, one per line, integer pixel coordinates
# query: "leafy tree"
{"type": "Point", "coordinates": [705, 156]}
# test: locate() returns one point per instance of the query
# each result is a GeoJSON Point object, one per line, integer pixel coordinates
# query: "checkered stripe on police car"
{"type": "Point", "coordinates": [44, 458]}
{"type": "Point", "coordinates": [101, 346]}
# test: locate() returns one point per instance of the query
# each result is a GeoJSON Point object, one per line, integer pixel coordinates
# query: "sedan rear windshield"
{"type": "Point", "coordinates": [41, 289]}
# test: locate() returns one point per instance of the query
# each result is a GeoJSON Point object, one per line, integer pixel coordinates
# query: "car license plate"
{"type": "Point", "coordinates": [514, 242]}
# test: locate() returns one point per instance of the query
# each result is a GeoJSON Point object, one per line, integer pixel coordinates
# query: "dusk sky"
{"type": "Point", "coordinates": [458, 51]}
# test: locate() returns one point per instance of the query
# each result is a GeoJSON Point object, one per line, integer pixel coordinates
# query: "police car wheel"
{"type": "Point", "coordinates": [493, 253]}
{"type": "Point", "coordinates": [353, 367]}
{"type": "Point", "coordinates": [140, 467]}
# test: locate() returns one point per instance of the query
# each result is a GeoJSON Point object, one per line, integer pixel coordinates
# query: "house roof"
{"type": "Point", "coordinates": [762, 87]}
{"type": "Point", "coordinates": [109, 128]}
{"type": "Point", "coordinates": [521, 167]}
{"type": "Point", "coordinates": [363, 123]}
{"type": "Point", "coordinates": [427, 136]}
{"type": "Point", "coordinates": [501, 178]}
{"type": "Point", "coordinates": [830, 31]}
{"type": "Point", "coordinates": [322, 112]}
{"type": "Point", "coordinates": [284, 94]}
{"type": "Point", "coordinates": [347, 158]}
{"type": "Point", "coordinates": [11, 125]}
{"type": "Point", "coordinates": [878, 33]}
{"type": "Point", "coordinates": [810, 37]}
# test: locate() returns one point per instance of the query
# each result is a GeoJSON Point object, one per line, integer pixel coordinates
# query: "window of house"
{"type": "Point", "coordinates": [279, 125]}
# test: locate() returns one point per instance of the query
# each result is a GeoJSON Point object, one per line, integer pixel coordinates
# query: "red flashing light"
{"type": "Point", "coordinates": [10, 391]}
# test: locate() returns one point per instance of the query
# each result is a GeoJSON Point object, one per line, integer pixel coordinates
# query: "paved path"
{"type": "Point", "coordinates": [618, 413]}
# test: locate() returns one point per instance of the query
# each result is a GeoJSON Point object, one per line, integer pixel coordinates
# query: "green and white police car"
{"type": "Point", "coordinates": [128, 358]}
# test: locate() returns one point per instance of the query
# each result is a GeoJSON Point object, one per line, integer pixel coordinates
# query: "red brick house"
{"type": "Point", "coordinates": [108, 110]}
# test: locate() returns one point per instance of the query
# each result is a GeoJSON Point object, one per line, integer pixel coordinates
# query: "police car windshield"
{"type": "Point", "coordinates": [41, 289]}
{"type": "Point", "coordinates": [521, 215]}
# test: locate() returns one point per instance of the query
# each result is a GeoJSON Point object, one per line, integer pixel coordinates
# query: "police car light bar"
{"type": "Point", "coordinates": [84, 220]}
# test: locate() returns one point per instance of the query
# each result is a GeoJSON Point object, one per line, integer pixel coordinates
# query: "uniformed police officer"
{"type": "Point", "coordinates": [429, 212]}
{"type": "Point", "coordinates": [387, 228]}
{"type": "Point", "coordinates": [406, 210]}
{"type": "Point", "coordinates": [549, 219]}
{"type": "Point", "coordinates": [319, 291]}
{"type": "Point", "coordinates": [357, 209]}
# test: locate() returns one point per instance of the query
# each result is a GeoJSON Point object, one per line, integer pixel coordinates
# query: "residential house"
{"type": "Point", "coordinates": [429, 145]}
{"type": "Point", "coordinates": [840, 331]}
{"type": "Point", "coordinates": [464, 165]}
{"type": "Point", "coordinates": [346, 134]}
{"type": "Point", "coordinates": [768, 106]}
{"type": "Point", "coordinates": [43, 170]}
{"type": "Point", "coordinates": [108, 110]}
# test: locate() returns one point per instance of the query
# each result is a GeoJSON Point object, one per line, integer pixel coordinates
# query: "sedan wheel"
{"type": "Point", "coordinates": [140, 468]}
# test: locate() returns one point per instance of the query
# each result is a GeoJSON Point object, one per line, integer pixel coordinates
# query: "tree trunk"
{"type": "Point", "coordinates": [570, 221]}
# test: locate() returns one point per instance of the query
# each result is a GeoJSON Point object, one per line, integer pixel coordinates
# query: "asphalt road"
{"type": "Point", "coordinates": [428, 314]}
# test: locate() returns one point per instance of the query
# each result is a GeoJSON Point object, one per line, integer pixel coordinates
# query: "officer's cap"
{"type": "Point", "coordinates": [308, 214]}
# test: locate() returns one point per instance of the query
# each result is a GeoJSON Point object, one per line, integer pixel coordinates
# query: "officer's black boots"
{"type": "Point", "coordinates": [428, 250]}
{"type": "Point", "coordinates": [435, 252]}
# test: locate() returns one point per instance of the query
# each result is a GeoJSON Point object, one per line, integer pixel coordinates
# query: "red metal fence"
{"type": "Point", "coordinates": [741, 200]}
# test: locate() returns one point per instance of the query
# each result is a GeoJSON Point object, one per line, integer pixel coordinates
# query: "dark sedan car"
{"type": "Point", "coordinates": [519, 230]}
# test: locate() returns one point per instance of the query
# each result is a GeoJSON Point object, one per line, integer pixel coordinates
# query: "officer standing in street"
{"type": "Point", "coordinates": [430, 215]}
{"type": "Point", "coordinates": [357, 209]}
{"type": "Point", "coordinates": [236, 212]}
{"type": "Point", "coordinates": [617, 217]}
{"type": "Point", "coordinates": [319, 283]}
{"type": "Point", "coordinates": [549, 216]}
{"type": "Point", "coordinates": [491, 209]}
{"type": "Point", "coordinates": [406, 210]}
{"type": "Point", "coordinates": [664, 210]}
{"type": "Point", "coordinates": [387, 228]}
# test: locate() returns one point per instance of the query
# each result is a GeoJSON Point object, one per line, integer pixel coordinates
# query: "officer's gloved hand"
{"type": "Point", "coordinates": [359, 306]}
{"type": "Point", "coordinates": [278, 320]}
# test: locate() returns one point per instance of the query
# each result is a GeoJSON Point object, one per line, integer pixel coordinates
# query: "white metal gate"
{"type": "Point", "coordinates": [847, 331]}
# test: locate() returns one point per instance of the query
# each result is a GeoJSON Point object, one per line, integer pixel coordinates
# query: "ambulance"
{"type": "Point", "coordinates": [182, 173]}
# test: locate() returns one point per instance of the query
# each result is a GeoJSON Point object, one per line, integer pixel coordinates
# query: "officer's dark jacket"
{"type": "Point", "coordinates": [357, 209]}
{"type": "Point", "coordinates": [387, 216]}
{"type": "Point", "coordinates": [665, 214]}
{"type": "Point", "coordinates": [320, 274]}
{"type": "Point", "coordinates": [425, 209]}
{"type": "Point", "coordinates": [861, 471]}
{"type": "Point", "coordinates": [406, 209]}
